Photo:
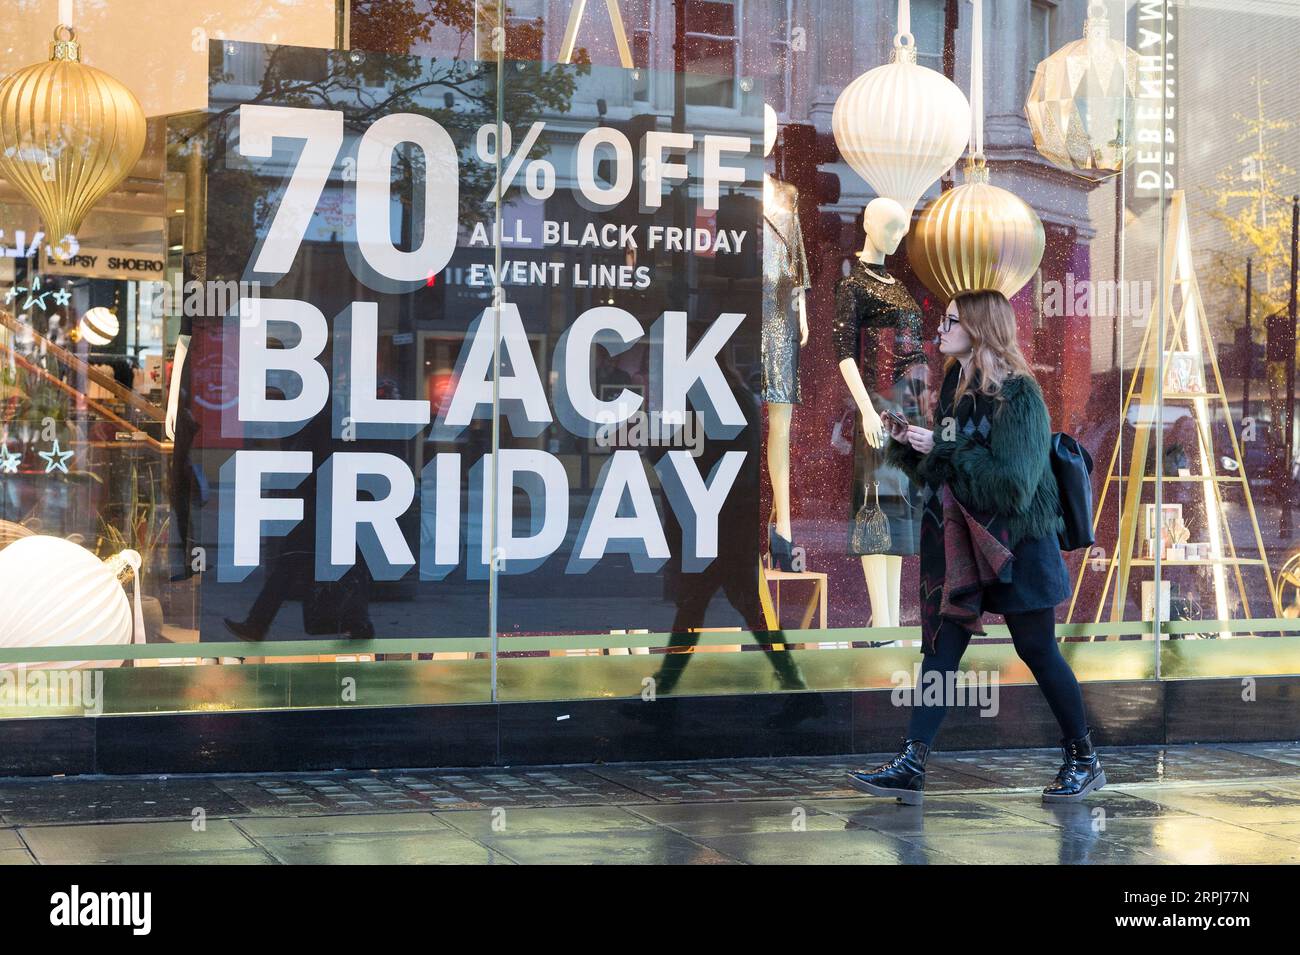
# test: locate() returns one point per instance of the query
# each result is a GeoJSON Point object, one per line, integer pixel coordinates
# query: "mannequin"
{"type": "Point", "coordinates": [785, 279]}
{"type": "Point", "coordinates": [174, 389]}
{"type": "Point", "coordinates": [871, 298]}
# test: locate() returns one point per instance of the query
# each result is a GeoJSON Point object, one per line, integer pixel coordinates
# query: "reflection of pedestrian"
{"type": "Point", "coordinates": [337, 606]}
{"type": "Point", "coordinates": [735, 571]}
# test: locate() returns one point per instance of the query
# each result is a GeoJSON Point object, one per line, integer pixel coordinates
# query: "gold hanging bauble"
{"type": "Point", "coordinates": [69, 133]}
{"type": "Point", "coordinates": [976, 237]}
{"type": "Point", "coordinates": [1082, 104]}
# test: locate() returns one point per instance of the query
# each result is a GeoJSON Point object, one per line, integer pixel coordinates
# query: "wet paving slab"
{"type": "Point", "coordinates": [403, 790]}
{"type": "Point", "coordinates": [1162, 805]}
{"type": "Point", "coordinates": [111, 799]}
{"type": "Point", "coordinates": [1277, 752]}
{"type": "Point", "coordinates": [1017, 769]}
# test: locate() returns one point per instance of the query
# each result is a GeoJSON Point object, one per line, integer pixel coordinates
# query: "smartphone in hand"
{"type": "Point", "coordinates": [896, 424]}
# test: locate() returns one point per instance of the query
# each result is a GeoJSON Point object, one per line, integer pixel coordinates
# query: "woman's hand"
{"type": "Point", "coordinates": [873, 430]}
{"type": "Point", "coordinates": [922, 439]}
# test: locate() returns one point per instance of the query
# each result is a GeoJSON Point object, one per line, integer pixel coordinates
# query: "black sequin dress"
{"type": "Point", "coordinates": [878, 325]}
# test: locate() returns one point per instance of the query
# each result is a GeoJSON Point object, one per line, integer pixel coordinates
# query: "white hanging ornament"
{"type": "Point", "coordinates": [902, 125]}
{"type": "Point", "coordinates": [99, 326]}
{"type": "Point", "coordinates": [58, 594]}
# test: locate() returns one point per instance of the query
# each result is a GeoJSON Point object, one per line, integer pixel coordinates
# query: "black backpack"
{"type": "Point", "coordinates": [1072, 467]}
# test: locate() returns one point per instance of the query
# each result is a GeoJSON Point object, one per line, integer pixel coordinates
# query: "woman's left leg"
{"type": "Point", "coordinates": [1034, 635]}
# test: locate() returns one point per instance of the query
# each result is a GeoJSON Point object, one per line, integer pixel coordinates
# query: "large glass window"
{"type": "Point", "coordinates": [497, 350]}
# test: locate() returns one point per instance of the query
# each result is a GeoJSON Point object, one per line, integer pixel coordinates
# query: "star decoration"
{"type": "Point", "coordinates": [54, 458]}
{"type": "Point", "coordinates": [35, 297]}
{"type": "Point", "coordinates": [9, 461]}
{"type": "Point", "coordinates": [62, 297]}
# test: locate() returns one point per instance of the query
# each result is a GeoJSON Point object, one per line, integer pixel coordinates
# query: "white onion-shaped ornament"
{"type": "Point", "coordinates": [57, 594]}
{"type": "Point", "coordinates": [902, 125]}
{"type": "Point", "coordinates": [99, 326]}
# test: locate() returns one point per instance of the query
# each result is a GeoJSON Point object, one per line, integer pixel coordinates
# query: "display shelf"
{"type": "Point", "coordinates": [1182, 314]}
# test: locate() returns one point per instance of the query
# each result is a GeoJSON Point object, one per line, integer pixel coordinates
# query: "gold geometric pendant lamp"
{"type": "Point", "coordinates": [977, 236]}
{"type": "Point", "coordinates": [69, 134]}
{"type": "Point", "coordinates": [1082, 105]}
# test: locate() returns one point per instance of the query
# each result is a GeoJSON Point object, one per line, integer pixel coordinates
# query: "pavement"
{"type": "Point", "coordinates": [1230, 804]}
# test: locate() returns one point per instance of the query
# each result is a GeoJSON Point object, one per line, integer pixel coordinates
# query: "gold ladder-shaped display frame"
{"type": "Point", "coordinates": [1178, 274]}
{"type": "Point", "coordinates": [489, 15]}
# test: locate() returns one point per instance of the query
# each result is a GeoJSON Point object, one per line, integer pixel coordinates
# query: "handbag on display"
{"type": "Point", "coordinates": [1072, 467]}
{"type": "Point", "coordinates": [870, 528]}
{"type": "Point", "coordinates": [842, 432]}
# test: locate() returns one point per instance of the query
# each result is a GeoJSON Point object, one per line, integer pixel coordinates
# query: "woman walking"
{"type": "Point", "coordinates": [988, 539]}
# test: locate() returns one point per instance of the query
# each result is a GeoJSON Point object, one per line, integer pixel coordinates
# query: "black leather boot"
{"type": "Point", "coordinates": [1079, 775]}
{"type": "Point", "coordinates": [781, 550]}
{"type": "Point", "coordinates": [902, 777]}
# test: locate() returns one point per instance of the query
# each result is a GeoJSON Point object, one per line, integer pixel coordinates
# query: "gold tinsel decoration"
{"type": "Point", "coordinates": [69, 134]}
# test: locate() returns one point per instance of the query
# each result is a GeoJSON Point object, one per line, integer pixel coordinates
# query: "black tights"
{"type": "Point", "coordinates": [1034, 635]}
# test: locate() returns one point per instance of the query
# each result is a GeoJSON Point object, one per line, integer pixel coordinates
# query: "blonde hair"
{"type": "Point", "coordinates": [990, 322]}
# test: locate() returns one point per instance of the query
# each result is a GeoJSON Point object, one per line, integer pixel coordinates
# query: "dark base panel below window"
{"type": "Point", "coordinates": [1127, 713]}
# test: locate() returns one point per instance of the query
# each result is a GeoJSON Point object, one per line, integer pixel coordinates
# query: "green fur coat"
{"type": "Point", "coordinates": [994, 455]}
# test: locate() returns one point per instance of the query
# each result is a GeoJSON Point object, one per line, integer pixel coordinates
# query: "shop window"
{"type": "Point", "coordinates": [712, 51]}
{"type": "Point", "coordinates": [780, 70]}
{"type": "Point", "coordinates": [1039, 46]}
{"type": "Point", "coordinates": [524, 30]}
{"type": "Point", "coordinates": [640, 17]}
{"type": "Point", "coordinates": [927, 30]}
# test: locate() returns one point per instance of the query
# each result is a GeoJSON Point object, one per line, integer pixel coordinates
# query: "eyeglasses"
{"type": "Point", "coordinates": [946, 323]}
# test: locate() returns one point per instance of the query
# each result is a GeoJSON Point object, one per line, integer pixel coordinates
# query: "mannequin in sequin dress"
{"type": "Point", "coordinates": [785, 330]}
{"type": "Point", "coordinates": [869, 299]}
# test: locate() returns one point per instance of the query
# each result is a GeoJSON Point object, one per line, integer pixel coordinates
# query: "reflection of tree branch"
{"type": "Point", "coordinates": [402, 82]}
{"type": "Point", "coordinates": [552, 87]}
